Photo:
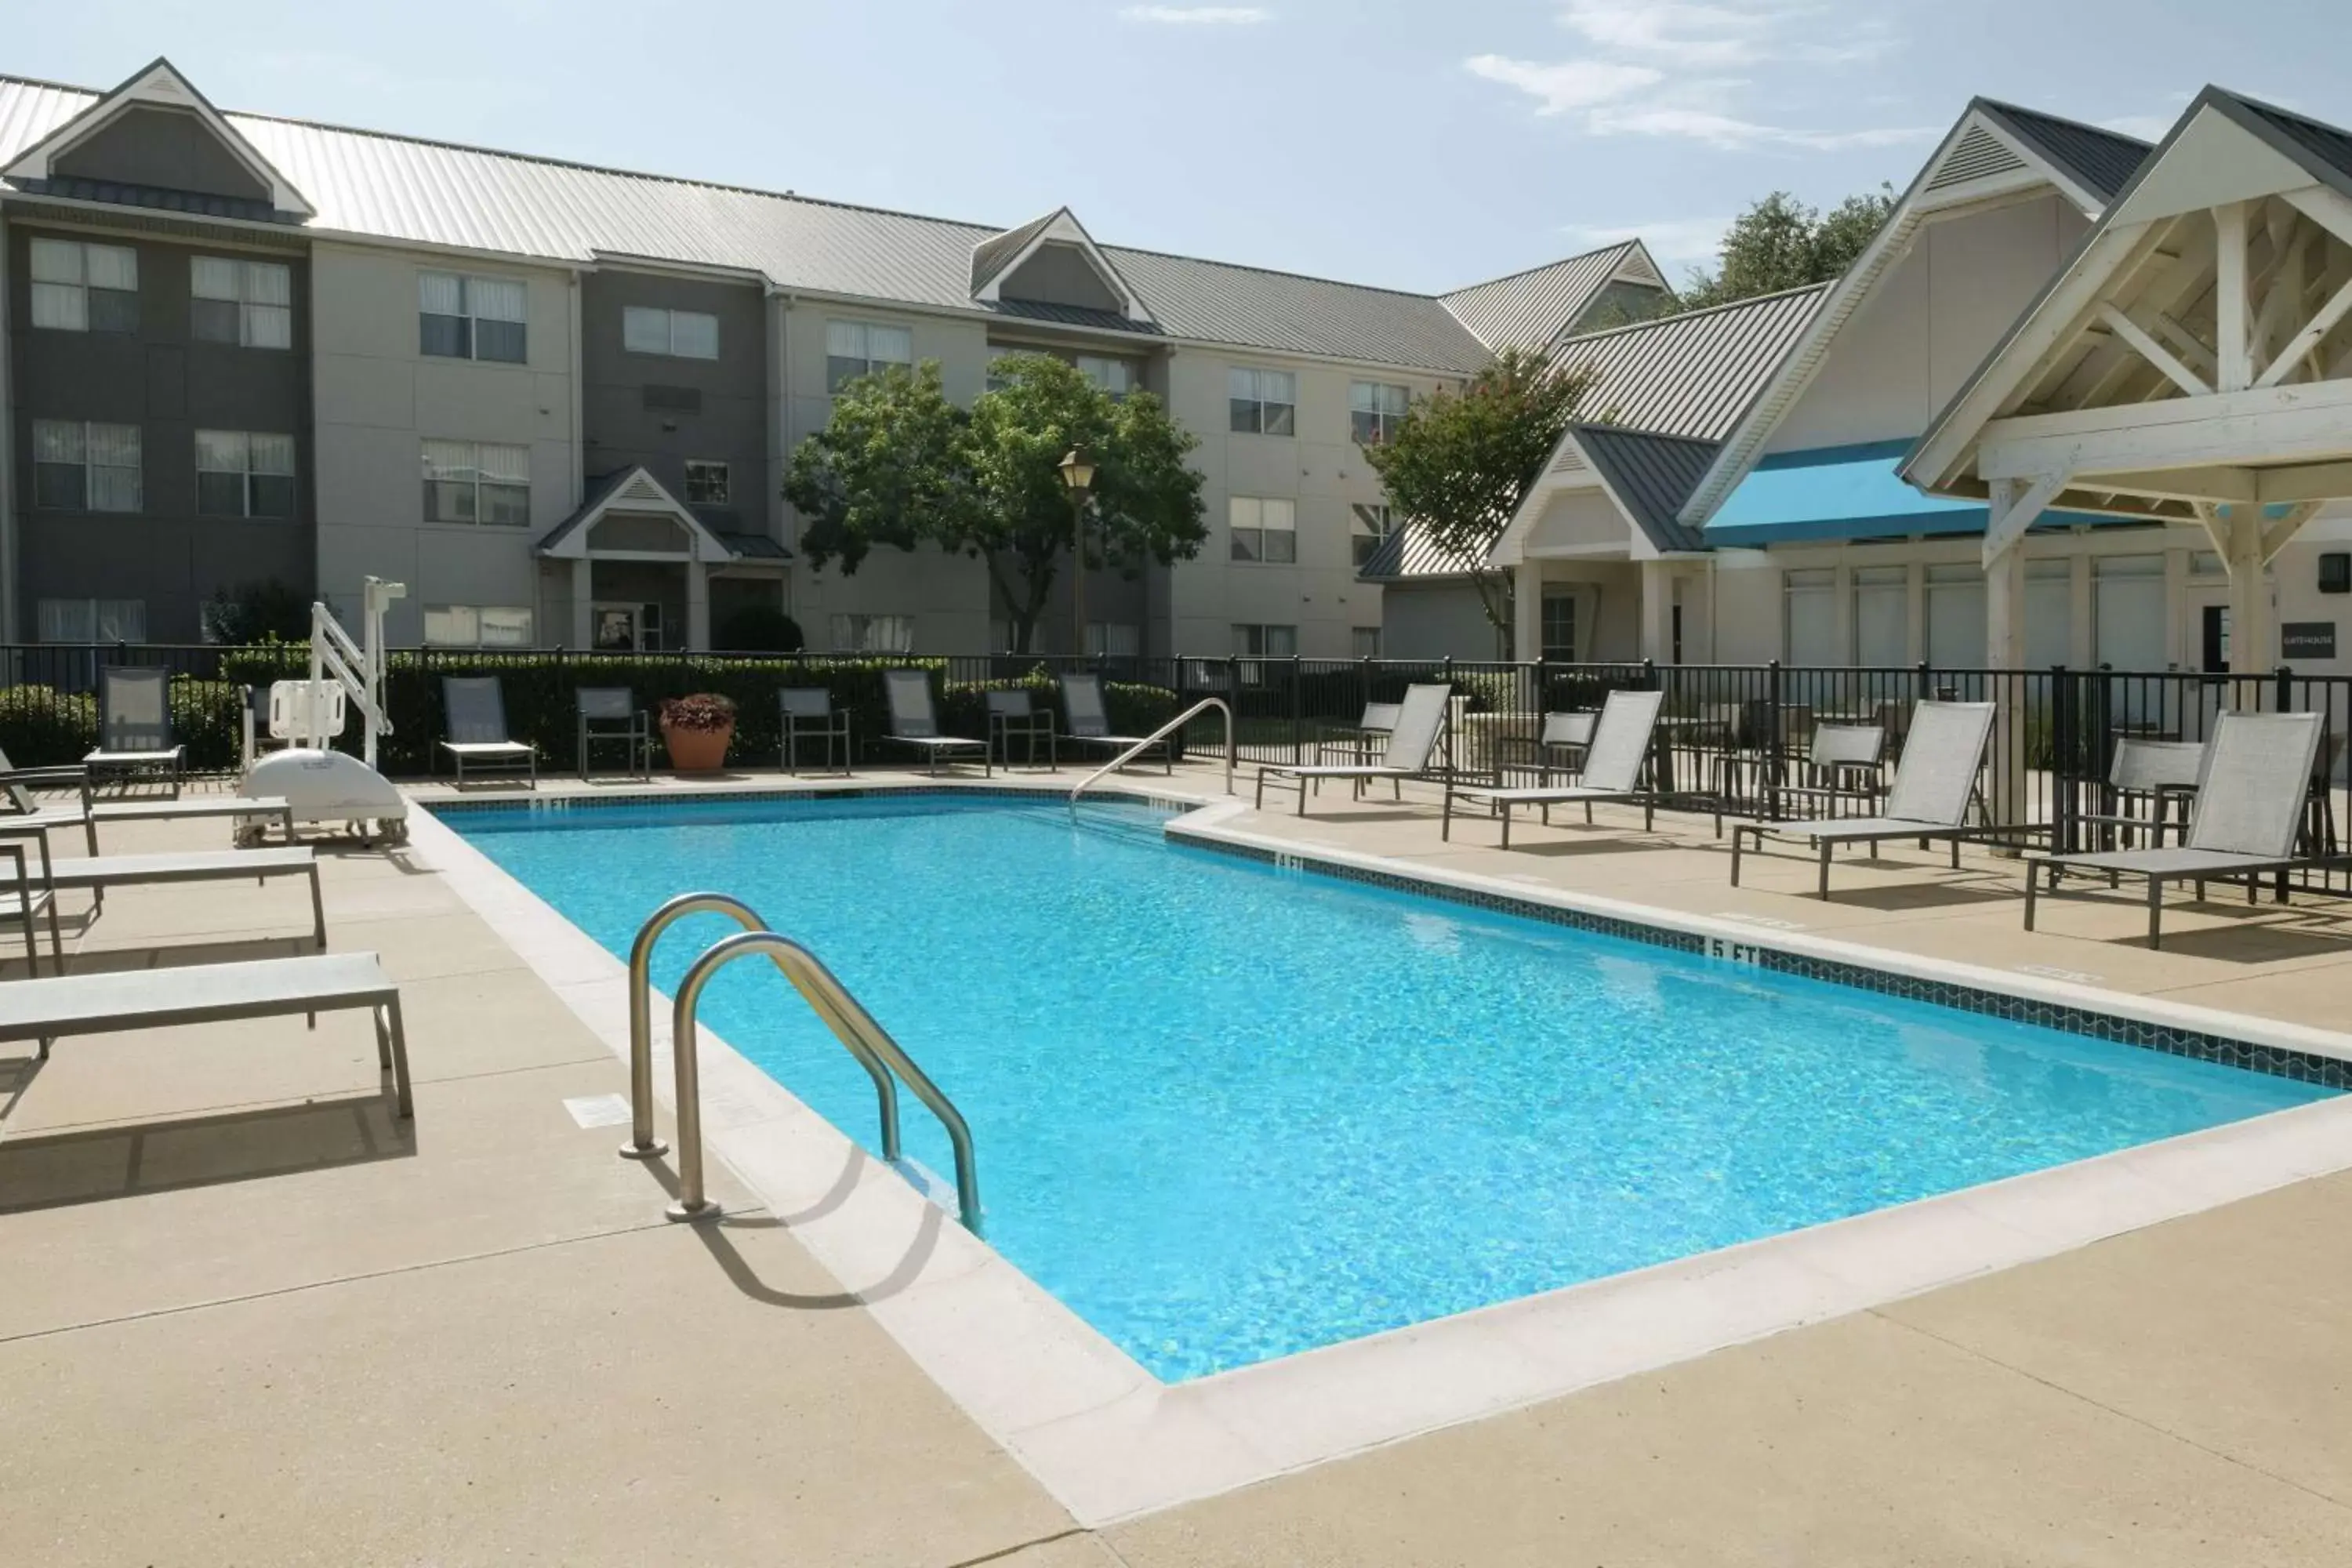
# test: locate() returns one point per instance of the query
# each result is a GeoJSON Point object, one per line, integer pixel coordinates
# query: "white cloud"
{"type": "Point", "coordinates": [1198, 15]}
{"type": "Point", "coordinates": [1671, 240]}
{"type": "Point", "coordinates": [1571, 84]}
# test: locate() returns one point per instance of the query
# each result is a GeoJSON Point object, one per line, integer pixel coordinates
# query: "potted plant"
{"type": "Point", "coordinates": [697, 729]}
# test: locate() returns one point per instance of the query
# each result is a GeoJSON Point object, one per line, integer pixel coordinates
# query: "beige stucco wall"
{"type": "Point", "coordinates": [377, 398]}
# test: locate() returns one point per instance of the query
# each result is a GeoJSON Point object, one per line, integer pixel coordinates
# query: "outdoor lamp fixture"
{"type": "Point", "coordinates": [1079, 474]}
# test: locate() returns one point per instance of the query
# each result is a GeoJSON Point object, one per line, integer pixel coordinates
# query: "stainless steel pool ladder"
{"type": "Point", "coordinates": [883, 1061]}
{"type": "Point", "coordinates": [1161, 733]}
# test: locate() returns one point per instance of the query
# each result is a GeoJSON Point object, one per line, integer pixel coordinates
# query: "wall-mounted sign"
{"type": "Point", "coordinates": [2307, 639]}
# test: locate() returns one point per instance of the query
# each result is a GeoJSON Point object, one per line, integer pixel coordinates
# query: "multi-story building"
{"type": "Point", "coordinates": [558, 401]}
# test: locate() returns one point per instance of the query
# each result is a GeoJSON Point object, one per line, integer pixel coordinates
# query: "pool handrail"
{"type": "Point", "coordinates": [642, 1143]}
{"type": "Point", "coordinates": [841, 1012]}
{"type": "Point", "coordinates": [1156, 736]}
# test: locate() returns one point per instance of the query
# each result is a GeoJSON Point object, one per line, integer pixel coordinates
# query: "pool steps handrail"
{"type": "Point", "coordinates": [1156, 736]}
{"type": "Point", "coordinates": [885, 1061]}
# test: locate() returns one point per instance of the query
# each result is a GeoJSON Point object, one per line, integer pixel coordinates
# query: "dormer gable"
{"type": "Point", "coordinates": [156, 134]}
{"type": "Point", "coordinates": [1052, 262]}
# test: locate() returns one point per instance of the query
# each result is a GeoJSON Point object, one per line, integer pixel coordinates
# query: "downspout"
{"type": "Point", "coordinates": [10, 580]}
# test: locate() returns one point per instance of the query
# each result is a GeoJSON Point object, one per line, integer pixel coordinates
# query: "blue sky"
{"type": "Point", "coordinates": [1417, 143]}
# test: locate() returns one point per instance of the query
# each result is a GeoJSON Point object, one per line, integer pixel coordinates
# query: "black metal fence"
{"type": "Point", "coordinates": [1739, 737]}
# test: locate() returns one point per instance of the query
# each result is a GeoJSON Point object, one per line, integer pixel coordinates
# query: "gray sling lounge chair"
{"type": "Point", "coordinates": [1614, 761]}
{"type": "Point", "coordinates": [1420, 724]}
{"type": "Point", "coordinates": [2250, 807]}
{"type": "Point", "coordinates": [135, 727]}
{"type": "Point", "coordinates": [478, 728]}
{"type": "Point", "coordinates": [913, 723]}
{"type": "Point", "coordinates": [1934, 783]}
{"type": "Point", "coordinates": [50, 1009]}
{"type": "Point", "coordinates": [1082, 704]}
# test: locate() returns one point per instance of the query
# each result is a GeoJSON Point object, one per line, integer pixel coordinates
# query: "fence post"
{"type": "Point", "coordinates": [1297, 716]}
{"type": "Point", "coordinates": [2287, 704]}
{"type": "Point", "coordinates": [1775, 698]}
{"type": "Point", "coordinates": [1233, 693]}
{"type": "Point", "coordinates": [2067, 771]}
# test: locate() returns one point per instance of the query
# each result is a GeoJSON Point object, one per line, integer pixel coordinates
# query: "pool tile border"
{"type": "Point", "coordinates": [1111, 1442]}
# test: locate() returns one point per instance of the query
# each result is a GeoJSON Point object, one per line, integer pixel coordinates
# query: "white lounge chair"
{"type": "Point", "coordinates": [97, 873]}
{"type": "Point", "coordinates": [16, 787]}
{"type": "Point", "coordinates": [2251, 797]}
{"type": "Point", "coordinates": [1420, 724]}
{"type": "Point", "coordinates": [476, 711]}
{"type": "Point", "coordinates": [1934, 783]}
{"type": "Point", "coordinates": [1090, 720]}
{"type": "Point", "coordinates": [135, 726]}
{"type": "Point", "coordinates": [1614, 761]}
{"type": "Point", "coordinates": [912, 722]}
{"type": "Point", "coordinates": [50, 1009]}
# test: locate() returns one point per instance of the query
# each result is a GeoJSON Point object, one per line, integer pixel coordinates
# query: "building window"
{"type": "Point", "coordinates": [1809, 609]}
{"type": "Point", "coordinates": [1560, 627]}
{"type": "Point", "coordinates": [242, 473]}
{"type": "Point", "coordinates": [681, 335]}
{"type": "Point", "coordinates": [1115, 376]}
{"type": "Point", "coordinates": [852, 349]}
{"type": "Point", "coordinates": [471, 318]}
{"type": "Point", "coordinates": [477, 626]}
{"type": "Point", "coordinates": [92, 620]}
{"type": "Point", "coordinates": [1263, 529]}
{"type": "Point", "coordinates": [1365, 642]}
{"type": "Point", "coordinates": [1368, 529]}
{"type": "Point", "coordinates": [1115, 639]}
{"type": "Point", "coordinates": [1882, 616]}
{"type": "Point", "coordinates": [78, 466]}
{"type": "Point", "coordinates": [705, 482]}
{"type": "Point", "coordinates": [80, 288]}
{"type": "Point", "coordinates": [1375, 409]}
{"type": "Point", "coordinates": [997, 380]}
{"type": "Point", "coordinates": [1265, 642]}
{"type": "Point", "coordinates": [250, 303]}
{"type": "Point", "coordinates": [1264, 401]}
{"type": "Point", "coordinates": [874, 634]}
{"type": "Point", "coordinates": [474, 482]}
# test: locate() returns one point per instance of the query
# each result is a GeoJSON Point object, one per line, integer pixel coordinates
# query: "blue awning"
{"type": "Point", "coordinates": [1835, 492]}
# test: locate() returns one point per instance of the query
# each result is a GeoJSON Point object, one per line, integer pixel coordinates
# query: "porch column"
{"type": "Point", "coordinates": [583, 623]}
{"type": "Point", "coordinates": [2014, 504]}
{"type": "Point", "coordinates": [2253, 643]}
{"type": "Point", "coordinates": [697, 606]}
{"type": "Point", "coordinates": [1657, 612]}
{"type": "Point", "coordinates": [1526, 612]}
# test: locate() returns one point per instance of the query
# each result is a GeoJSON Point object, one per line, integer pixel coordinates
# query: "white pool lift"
{"type": "Point", "coordinates": [324, 784]}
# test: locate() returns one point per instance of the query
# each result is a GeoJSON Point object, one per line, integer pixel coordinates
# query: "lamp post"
{"type": "Point", "coordinates": [1079, 474]}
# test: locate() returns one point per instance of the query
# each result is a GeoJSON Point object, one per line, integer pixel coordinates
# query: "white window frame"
{"type": "Point", "coordinates": [251, 448]}
{"type": "Point", "coordinates": [1256, 639]}
{"type": "Point", "coordinates": [262, 322]}
{"type": "Point", "coordinates": [65, 299]}
{"type": "Point", "coordinates": [842, 334]}
{"type": "Point", "coordinates": [477, 626]}
{"type": "Point", "coordinates": [1251, 387]}
{"type": "Point", "coordinates": [1368, 400]}
{"type": "Point", "coordinates": [1546, 648]}
{"type": "Point", "coordinates": [1369, 523]}
{"type": "Point", "coordinates": [469, 311]}
{"type": "Point", "coordinates": [1252, 518]}
{"type": "Point", "coordinates": [859, 632]}
{"type": "Point", "coordinates": [1113, 376]}
{"type": "Point", "coordinates": [85, 433]}
{"type": "Point", "coordinates": [102, 615]}
{"type": "Point", "coordinates": [664, 322]}
{"type": "Point", "coordinates": [726, 481]}
{"type": "Point", "coordinates": [462, 465]}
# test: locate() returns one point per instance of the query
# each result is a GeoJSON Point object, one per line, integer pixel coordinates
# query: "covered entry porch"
{"type": "Point", "coordinates": [634, 570]}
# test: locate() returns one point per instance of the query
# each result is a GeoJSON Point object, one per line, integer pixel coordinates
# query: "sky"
{"type": "Point", "coordinates": [1420, 144]}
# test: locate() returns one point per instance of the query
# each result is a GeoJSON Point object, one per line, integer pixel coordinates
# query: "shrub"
{"type": "Point", "coordinates": [761, 628]}
{"type": "Point", "coordinates": [257, 611]}
{"type": "Point", "coordinates": [705, 711]}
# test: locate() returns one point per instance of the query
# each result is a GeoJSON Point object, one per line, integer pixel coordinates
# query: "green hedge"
{"type": "Point", "coordinates": [538, 691]}
{"type": "Point", "coordinates": [42, 727]}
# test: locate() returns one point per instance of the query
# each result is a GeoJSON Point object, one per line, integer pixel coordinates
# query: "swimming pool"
{"type": "Point", "coordinates": [1225, 1112]}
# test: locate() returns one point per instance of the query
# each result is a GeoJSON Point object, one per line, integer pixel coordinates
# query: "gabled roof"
{"type": "Point", "coordinates": [996, 260]}
{"type": "Point", "coordinates": [1651, 476]}
{"type": "Point", "coordinates": [993, 255]}
{"type": "Point", "coordinates": [403, 190]}
{"type": "Point", "coordinates": [2103, 162]}
{"type": "Point", "coordinates": [635, 489]}
{"type": "Point", "coordinates": [1409, 553]}
{"type": "Point", "coordinates": [1691, 374]}
{"type": "Point", "coordinates": [1534, 309]}
{"type": "Point", "coordinates": [158, 85]}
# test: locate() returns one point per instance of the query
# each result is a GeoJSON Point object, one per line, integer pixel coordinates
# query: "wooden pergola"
{"type": "Point", "coordinates": [2192, 364]}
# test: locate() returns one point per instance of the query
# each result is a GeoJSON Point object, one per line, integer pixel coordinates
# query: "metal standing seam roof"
{"type": "Point", "coordinates": [2102, 162]}
{"type": "Point", "coordinates": [1531, 310]}
{"type": "Point", "coordinates": [1692, 375]}
{"type": "Point", "coordinates": [1408, 552]}
{"type": "Point", "coordinates": [1653, 475]}
{"type": "Point", "coordinates": [398, 189]}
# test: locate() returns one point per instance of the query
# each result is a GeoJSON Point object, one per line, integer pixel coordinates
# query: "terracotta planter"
{"type": "Point", "coordinates": [697, 750]}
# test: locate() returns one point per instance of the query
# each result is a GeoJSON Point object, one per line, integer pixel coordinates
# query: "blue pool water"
{"type": "Point", "coordinates": [1226, 1112]}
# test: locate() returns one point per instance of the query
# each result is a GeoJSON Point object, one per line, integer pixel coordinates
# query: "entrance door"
{"type": "Point", "coordinates": [627, 628]}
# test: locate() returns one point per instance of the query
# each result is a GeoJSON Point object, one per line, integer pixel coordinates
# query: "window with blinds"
{"type": "Point", "coordinates": [79, 288]}
{"type": "Point", "coordinates": [477, 482]}
{"type": "Point", "coordinates": [83, 467]}
{"type": "Point", "coordinates": [244, 473]}
{"type": "Point", "coordinates": [852, 349]}
{"type": "Point", "coordinates": [472, 318]}
{"type": "Point", "coordinates": [249, 303]}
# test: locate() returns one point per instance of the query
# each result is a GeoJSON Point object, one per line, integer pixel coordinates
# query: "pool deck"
{"type": "Point", "coordinates": [251, 1318]}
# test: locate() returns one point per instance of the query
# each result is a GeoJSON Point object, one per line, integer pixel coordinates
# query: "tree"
{"type": "Point", "coordinates": [256, 612]}
{"type": "Point", "coordinates": [1781, 243]}
{"type": "Point", "coordinates": [900, 465]}
{"type": "Point", "coordinates": [1460, 462]}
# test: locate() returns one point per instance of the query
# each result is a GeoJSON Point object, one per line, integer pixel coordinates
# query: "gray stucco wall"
{"type": "Point", "coordinates": [619, 430]}
{"type": "Point", "coordinates": [171, 387]}
{"type": "Point", "coordinates": [149, 145]}
{"type": "Point", "coordinates": [1059, 275]}
{"type": "Point", "coordinates": [1436, 620]}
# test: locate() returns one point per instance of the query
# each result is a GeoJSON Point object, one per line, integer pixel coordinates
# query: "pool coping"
{"type": "Point", "coordinates": [1112, 1441]}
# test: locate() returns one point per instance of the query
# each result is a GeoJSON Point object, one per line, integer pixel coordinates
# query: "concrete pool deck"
{"type": "Point", "coordinates": [250, 1318]}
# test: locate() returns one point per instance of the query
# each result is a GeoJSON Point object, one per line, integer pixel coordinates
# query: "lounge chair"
{"type": "Point", "coordinates": [1934, 783]}
{"type": "Point", "coordinates": [135, 727]}
{"type": "Point", "coordinates": [1614, 761]}
{"type": "Point", "coordinates": [1569, 732]}
{"type": "Point", "coordinates": [2165, 774]}
{"type": "Point", "coordinates": [50, 1009]}
{"type": "Point", "coordinates": [1360, 740]}
{"type": "Point", "coordinates": [2249, 805]}
{"type": "Point", "coordinates": [15, 788]}
{"type": "Point", "coordinates": [913, 723]}
{"type": "Point", "coordinates": [1012, 716]}
{"type": "Point", "coordinates": [1420, 724]}
{"type": "Point", "coordinates": [807, 713]}
{"type": "Point", "coordinates": [478, 728]}
{"type": "Point", "coordinates": [610, 714]}
{"type": "Point", "coordinates": [97, 873]}
{"type": "Point", "coordinates": [1090, 720]}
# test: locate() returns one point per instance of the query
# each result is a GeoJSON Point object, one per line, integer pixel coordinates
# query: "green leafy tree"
{"type": "Point", "coordinates": [1460, 463]}
{"type": "Point", "coordinates": [900, 465]}
{"type": "Point", "coordinates": [268, 611]}
{"type": "Point", "coordinates": [1781, 243]}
